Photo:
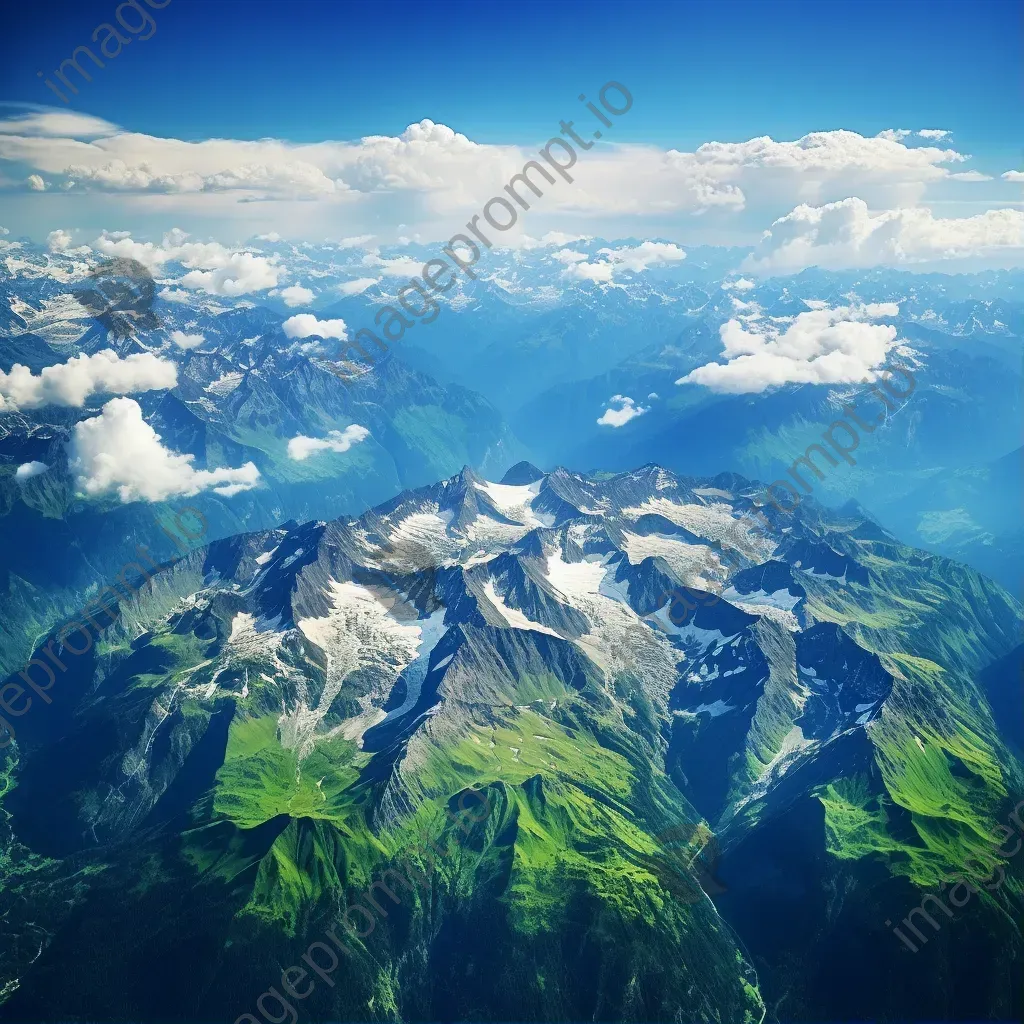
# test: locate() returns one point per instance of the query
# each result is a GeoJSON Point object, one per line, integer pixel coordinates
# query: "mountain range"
{"type": "Point", "coordinates": [275, 719]}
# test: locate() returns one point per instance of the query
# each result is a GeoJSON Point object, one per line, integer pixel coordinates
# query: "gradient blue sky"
{"type": "Point", "coordinates": [504, 72]}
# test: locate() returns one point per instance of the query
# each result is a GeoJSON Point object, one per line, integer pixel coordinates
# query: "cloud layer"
{"type": "Point", "coordinates": [821, 346]}
{"type": "Point", "coordinates": [119, 451]}
{"type": "Point", "coordinates": [431, 171]}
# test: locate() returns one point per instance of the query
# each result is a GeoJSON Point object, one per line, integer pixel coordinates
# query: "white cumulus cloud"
{"type": "Point", "coordinates": [597, 273]}
{"type": "Point", "coordinates": [58, 241]}
{"type": "Point", "coordinates": [632, 258]}
{"type": "Point", "coordinates": [847, 234]}
{"type": "Point", "coordinates": [618, 417]}
{"type": "Point", "coordinates": [71, 383]}
{"type": "Point", "coordinates": [119, 451]}
{"type": "Point", "coordinates": [306, 325]}
{"type": "Point", "coordinates": [187, 341]}
{"type": "Point", "coordinates": [211, 266]}
{"type": "Point", "coordinates": [242, 273]}
{"type": "Point", "coordinates": [301, 447]}
{"type": "Point", "coordinates": [821, 346]}
{"type": "Point", "coordinates": [27, 470]}
{"type": "Point", "coordinates": [639, 257]}
{"type": "Point", "coordinates": [296, 295]}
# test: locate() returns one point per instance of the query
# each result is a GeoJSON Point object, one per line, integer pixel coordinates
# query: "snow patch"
{"type": "Point", "coordinates": [225, 384]}
{"type": "Point", "coordinates": [513, 616]}
{"type": "Point", "coordinates": [357, 634]}
{"type": "Point", "coordinates": [696, 565]}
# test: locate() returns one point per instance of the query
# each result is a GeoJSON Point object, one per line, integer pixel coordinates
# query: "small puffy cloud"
{"type": "Point", "coordinates": [635, 259]}
{"type": "Point", "coordinates": [301, 447]}
{"type": "Point", "coordinates": [270, 236]}
{"type": "Point", "coordinates": [354, 241]}
{"type": "Point", "coordinates": [356, 287]}
{"type": "Point", "coordinates": [970, 176]}
{"type": "Point", "coordinates": [524, 241]}
{"type": "Point", "coordinates": [35, 183]}
{"type": "Point", "coordinates": [211, 266]}
{"type": "Point", "coordinates": [894, 134]}
{"type": "Point", "coordinates": [27, 470]}
{"type": "Point", "coordinates": [743, 284]}
{"type": "Point", "coordinates": [241, 274]}
{"type": "Point", "coordinates": [1012, 175]}
{"type": "Point", "coordinates": [119, 451]}
{"type": "Point", "coordinates": [58, 241]}
{"type": "Point", "coordinates": [596, 273]}
{"type": "Point", "coordinates": [400, 266]}
{"type": "Point", "coordinates": [570, 256]}
{"type": "Point", "coordinates": [173, 295]}
{"type": "Point", "coordinates": [71, 383]}
{"type": "Point", "coordinates": [296, 295]}
{"type": "Point", "coordinates": [846, 234]}
{"type": "Point", "coordinates": [639, 257]}
{"type": "Point", "coordinates": [560, 238]}
{"type": "Point", "coordinates": [618, 417]}
{"type": "Point", "coordinates": [821, 346]}
{"type": "Point", "coordinates": [187, 341]}
{"type": "Point", "coordinates": [933, 133]}
{"type": "Point", "coordinates": [306, 325]}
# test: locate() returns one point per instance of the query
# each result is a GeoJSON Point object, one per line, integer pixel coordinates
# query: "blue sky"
{"type": "Point", "coordinates": [503, 72]}
{"type": "Point", "coordinates": [503, 75]}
